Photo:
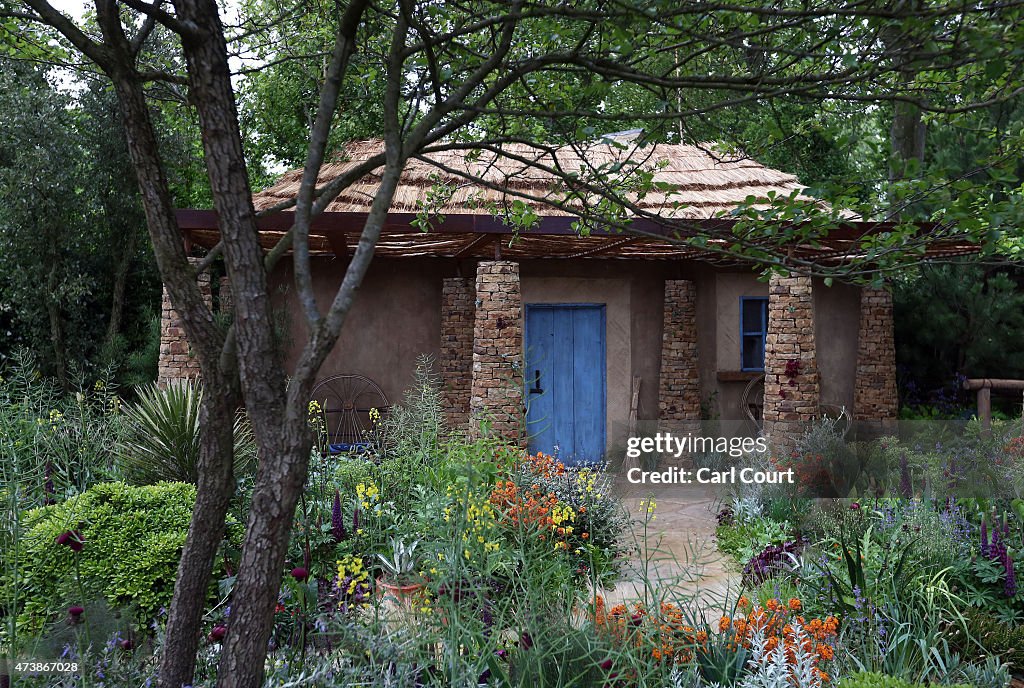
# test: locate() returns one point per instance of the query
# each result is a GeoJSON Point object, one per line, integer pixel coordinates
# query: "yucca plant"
{"type": "Point", "coordinates": [161, 439]}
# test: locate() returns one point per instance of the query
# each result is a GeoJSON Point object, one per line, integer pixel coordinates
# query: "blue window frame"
{"type": "Point", "coordinates": [753, 331]}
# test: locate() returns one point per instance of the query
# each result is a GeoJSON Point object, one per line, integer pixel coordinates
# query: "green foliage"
{"type": "Point", "coordinates": [1004, 640]}
{"type": "Point", "coordinates": [744, 539]}
{"type": "Point", "coordinates": [870, 679]}
{"type": "Point", "coordinates": [162, 433]}
{"type": "Point", "coordinates": [957, 319]}
{"type": "Point", "coordinates": [132, 541]}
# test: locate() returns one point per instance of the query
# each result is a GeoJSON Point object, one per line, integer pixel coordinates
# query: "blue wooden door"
{"type": "Point", "coordinates": [565, 381]}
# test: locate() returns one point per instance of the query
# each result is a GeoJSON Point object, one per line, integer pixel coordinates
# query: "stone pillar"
{"type": "Point", "coordinates": [456, 364]}
{"type": "Point", "coordinates": [679, 380]}
{"type": "Point", "coordinates": [791, 388]}
{"type": "Point", "coordinates": [177, 361]}
{"type": "Point", "coordinates": [497, 387]}
{"type": "Point", "coordinates": [875, 399]}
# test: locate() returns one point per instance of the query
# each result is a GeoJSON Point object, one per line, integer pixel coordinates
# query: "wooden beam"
{"type": "Point", "coordinates": [991, 383]}
{"type": "Point", "coordinates": [337, 242]}
{"type": "Point", "coordinates": [472, 245]}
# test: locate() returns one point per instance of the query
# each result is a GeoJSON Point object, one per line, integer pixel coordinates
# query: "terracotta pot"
{"type": "Point", "coordinates": [403, 594]}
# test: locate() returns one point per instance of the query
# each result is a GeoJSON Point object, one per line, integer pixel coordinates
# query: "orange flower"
{"type": "Point", "coordinates": [743, 603]}
{"type": "Point", "coordinates": [723, 624]}
{"type": "Point", "coordinates": [825, 652]}
{"type": "Point", "coordinates": [794, 604]}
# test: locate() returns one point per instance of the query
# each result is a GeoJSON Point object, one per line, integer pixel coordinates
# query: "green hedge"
{"type": "Point", "coordinates": [133, 539]}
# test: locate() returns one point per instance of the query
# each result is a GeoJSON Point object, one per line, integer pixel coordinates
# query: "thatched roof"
{"type": "Point", "coordinates": [472, 189]}
{"type": "Point", "coordinates": [692, 182]}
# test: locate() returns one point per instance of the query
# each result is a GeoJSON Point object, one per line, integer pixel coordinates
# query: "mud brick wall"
{"type": "Point", "coordinates": [874, 394]}
{"type": "Point", "coordinates": [679, 381]}
{"type": "Point", "coordinates": [456, 364]}
{"type": "Point", "coordinates": [497, 385]}
{"type": "Point", "coordinates": [177, 361]}
{"type": "Point", "coordinates": [791, 386]}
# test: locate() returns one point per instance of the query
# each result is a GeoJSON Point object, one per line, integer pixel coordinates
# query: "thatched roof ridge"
{"type": "Point", "coordinates": [700, 184]}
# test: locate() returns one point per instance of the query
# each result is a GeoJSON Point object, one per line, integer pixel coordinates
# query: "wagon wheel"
{"type": "Point", "coordinates": [753, 401]}
{"type": "Point", "coordinates": [346, 402]}
{"type": "Point", "coordinates": [838, 416]}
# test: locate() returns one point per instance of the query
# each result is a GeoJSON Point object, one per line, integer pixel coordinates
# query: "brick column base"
{"type": "Point", "coordinates": [497, 385]}
{"type": "Point", "coordinates": [791, 388]}
{"type": "Point", "coordinates": [456, 364]}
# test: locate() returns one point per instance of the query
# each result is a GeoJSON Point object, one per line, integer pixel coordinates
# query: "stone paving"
{"type": "Point", "coordinates": [678, 558]}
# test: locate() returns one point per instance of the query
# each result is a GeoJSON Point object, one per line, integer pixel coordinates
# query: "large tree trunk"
{"type": "Point", "coordinates": [215, 489]}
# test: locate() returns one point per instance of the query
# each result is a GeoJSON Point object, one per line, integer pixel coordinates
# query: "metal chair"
{"type": "Point", "coordinates": [347, 403]}
{"type": "Point", "coordinates": [753, 404]}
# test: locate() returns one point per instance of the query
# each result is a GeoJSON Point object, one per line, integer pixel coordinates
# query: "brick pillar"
{"type": "Point", "coordinates": [497, 387]}
{"type": "Point", "coordinates": [176, 359]}
{"type": "Point", "coordinates": [875, 399]}
{"type": "Point", "coordinates": [679, 381]}
{"type": "Point", "coordinates": [457, 321]}
{"type": "Point", "coordinates": [791, 389]}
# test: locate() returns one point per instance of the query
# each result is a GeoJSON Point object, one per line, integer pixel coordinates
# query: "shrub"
{"type": "Point", "coordinates": [162, 436]}
{"type": "Point", "coordinates": [132, 543]}
{"type": "Point", "coordinates": [773, 560]}
{"type": "Point", "coordinates": [870, 679]}
{"type": "Point", "coordinates": [997, 638]}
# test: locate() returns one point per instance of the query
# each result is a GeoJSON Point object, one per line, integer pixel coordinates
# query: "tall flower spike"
{"type": "Point", "coordinates": [1011, 577]}
{"type": "Point", "coordinates": [338, 520]}
{"type": "Point", "coordinates": [984, 537]}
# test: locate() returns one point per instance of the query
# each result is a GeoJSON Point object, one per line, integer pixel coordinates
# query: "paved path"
{"type": "Point", "coordinates": [678, 559]}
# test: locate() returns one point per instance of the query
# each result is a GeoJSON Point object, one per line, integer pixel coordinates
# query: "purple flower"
{"type": "Point", "coordinates": [75, 613]}
{"type": "Point", "coordinates": [1011, 577]}
{"type": "Point", "coordinates": [355, 520]}
{"type": "Point", "coordinates": [984, 538]}
{"type": "Point", "coordinates": [525, 640]}
{"type": "Point", "coordinates": [337, 520]}
{"type": "Point", "coordinates": [72, 539]}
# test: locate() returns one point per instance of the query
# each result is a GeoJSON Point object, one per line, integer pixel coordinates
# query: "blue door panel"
{"type": "Point", "coordinates": [565, 381]}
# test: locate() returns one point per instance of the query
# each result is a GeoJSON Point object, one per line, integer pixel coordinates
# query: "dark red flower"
{"type": "Point", "coordinates": [72, 539]}
{"type": "Point", "coordinates": [605, 665]}
{"type": "Point", "coordinates": [525, 641]}
{"type": "Point", "coordinates": [218, 633]}
{"type": "Point", "coordinates": [855, 506]}
{"type": "Point", "coordinates": [75, 613]}
{"type": "Point", "coordinates": [126, 644]}
{"type": "Point", "coordinates": [300, 573]}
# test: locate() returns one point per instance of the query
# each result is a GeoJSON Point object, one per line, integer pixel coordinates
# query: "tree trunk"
{"type": "Point", "coordinates": [215, 489]}
{"type": "Point", "coordinates": [120, 286]}
{"type": "Point", "coordinates": [56, 320]}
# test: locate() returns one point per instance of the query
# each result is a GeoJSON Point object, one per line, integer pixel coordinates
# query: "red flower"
{"type": "Point", "coordinates": [72, 539]}
{"type": "Point", "coordinates": [75, 613]}
{"type": "Point", "coordinates": [218, 633]}
{"type": "Point", "coordinates": [300, 573]}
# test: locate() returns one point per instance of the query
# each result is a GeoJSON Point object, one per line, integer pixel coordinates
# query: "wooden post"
{"type": "Point", "coordinates": [985, 411]}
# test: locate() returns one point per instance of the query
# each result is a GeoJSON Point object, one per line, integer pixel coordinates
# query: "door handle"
{"type": "Point", "coordinates": [536, 383]}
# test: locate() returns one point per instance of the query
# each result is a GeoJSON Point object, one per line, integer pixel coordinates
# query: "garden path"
{"type": "Point", "coordinates": [679, 557]}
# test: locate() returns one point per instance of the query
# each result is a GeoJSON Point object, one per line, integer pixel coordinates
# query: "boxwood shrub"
{"type": "Point", "coordinates": [132, 543]}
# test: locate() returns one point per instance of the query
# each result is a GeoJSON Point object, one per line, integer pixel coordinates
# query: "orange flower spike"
{"type": "Point", "coordinates": [723, 624]}
{"type": "Point", "coordinates": [825, 652]}
{"type": "Point", "coordinates": [743, 603]}
{"type": "Point", "coordinates": [794, 604]}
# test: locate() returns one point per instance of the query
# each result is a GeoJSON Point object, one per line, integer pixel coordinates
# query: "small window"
{"type": "Point", "coordinates": [753, 332]}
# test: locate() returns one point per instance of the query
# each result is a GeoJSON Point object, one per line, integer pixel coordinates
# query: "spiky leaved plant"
{"type": "Point", "coordinates": [161, 440]}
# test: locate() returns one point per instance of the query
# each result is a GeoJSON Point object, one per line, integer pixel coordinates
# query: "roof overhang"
{"type": "Point", "coordinates": [465, 235]}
